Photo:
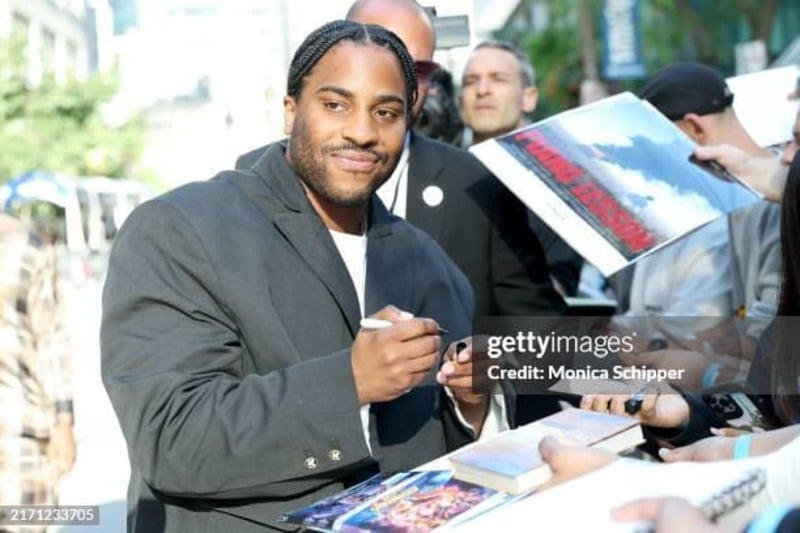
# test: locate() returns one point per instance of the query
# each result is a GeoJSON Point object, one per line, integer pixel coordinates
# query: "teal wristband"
{"type": "Point", "coordinates": [741, 447]}
{"type": "Point", "coordinates": [768, 520]}
{"type": "Point", "coordinates": [710, 375]}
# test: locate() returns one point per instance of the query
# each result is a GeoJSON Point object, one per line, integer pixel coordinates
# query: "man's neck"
{"type": "Point", "coordinates": [477, 137]}
{"type": "Point", "coordinates": [340, 218]}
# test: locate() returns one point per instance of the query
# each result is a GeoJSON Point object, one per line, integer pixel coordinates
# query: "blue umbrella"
{"type": "Point", "coordinates": [58, 189]}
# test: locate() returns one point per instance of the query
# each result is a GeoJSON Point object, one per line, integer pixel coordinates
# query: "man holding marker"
{"type": "Point", "coordinates": [231, 342]}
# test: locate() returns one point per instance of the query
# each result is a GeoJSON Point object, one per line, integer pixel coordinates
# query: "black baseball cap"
{"type": "Point", "coordinates": [687, 88]}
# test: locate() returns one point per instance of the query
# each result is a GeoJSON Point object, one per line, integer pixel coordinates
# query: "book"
{"type": "Point", "coordinates": [717, 488]}
{"type": "Point", "coordinates": [322, 514]}
{"type": "Point", "coordinates": [510, 461]}
{"type": "Point", "coordinates": [615, 179]}
{"type": "Point", "coordinates": [761, 103]}
{"type": "Point", "coordinates": [405, 502]}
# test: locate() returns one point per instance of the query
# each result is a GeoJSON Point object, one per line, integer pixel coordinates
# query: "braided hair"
{"type": "Point", "coordinates": [318, 42]}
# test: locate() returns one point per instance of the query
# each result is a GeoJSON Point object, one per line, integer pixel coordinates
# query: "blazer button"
{"type": "Point", "coordinates": [311, 463]}
{"type": "Point", "coordinates": [335, 454]}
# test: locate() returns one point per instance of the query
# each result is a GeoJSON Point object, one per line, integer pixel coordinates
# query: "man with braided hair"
{"type": "Point", "coordinates": [231, 341]}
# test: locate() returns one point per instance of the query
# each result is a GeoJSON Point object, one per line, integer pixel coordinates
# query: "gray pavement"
{"type": "Point", "coordinates": [101, 471]}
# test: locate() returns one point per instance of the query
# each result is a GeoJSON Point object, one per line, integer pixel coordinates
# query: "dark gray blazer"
{"type": "Point", "coordinates": [227, 320]}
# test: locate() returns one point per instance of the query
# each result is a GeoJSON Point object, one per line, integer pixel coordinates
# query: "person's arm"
{"type": "Point", "coordinates": [776, 519]}
{"type": "Point", "coordinates": [781, 469]}
{"type": "Point", "coordinates": [668, 515]}
{"type": "Point", "coordinates": [722, 447]}
{"type": "Point", "coordinates": [198, 420]}
{"type": "Point", "coordinates": [45, 321]}
{"type": "Point", "coordinates": [680, 516]}
{"type": "Point", "coordinates": [668, 414]}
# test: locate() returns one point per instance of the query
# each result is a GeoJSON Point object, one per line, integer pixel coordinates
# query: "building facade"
{"type": "Point", "coordinates": [55, 35]}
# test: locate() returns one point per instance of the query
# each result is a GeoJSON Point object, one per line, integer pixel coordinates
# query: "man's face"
{"type": "Point", "coordinates": [415, 31]}
{"type": "Point", "coordinates": [791, 146]}
{"type": "Point", "coordinates": [494, 98]}
{"type": "Point", "coordinates": [348, 124]}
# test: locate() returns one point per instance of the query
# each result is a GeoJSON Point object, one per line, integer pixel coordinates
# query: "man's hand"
{"type": "Point", "coordinates": [459, 372]}
{"type": "Point", "coordinates": [764, 174]}
{"type": "Point", "coordinates": [61, 448]}
{"type": "Point", "coordinates": [706, 450]}
{"type": "Point", "coordinates": [666, 410]}
{"type": "Point", "coordinates": [389, 362]}
{"type": "Point", "coordinates": [569, 462]}
{"type": "Point", "coordinates": [668, 515]}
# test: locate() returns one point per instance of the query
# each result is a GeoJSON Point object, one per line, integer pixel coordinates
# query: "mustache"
{"type": "Point", "coordinates": [352, 147]}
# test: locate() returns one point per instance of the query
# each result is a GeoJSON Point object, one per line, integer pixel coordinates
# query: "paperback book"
{"type": "Point", "coordinates": [510, 462]}
{"type": "Point", "coordinates": [400, 503]}
{"type": "Point", "coordinates": [717, 489]}
{"type": "Point", "coordinates": [615, 179]}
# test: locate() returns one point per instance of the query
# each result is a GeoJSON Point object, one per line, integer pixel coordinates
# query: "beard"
{"type": "Point", "coordinates": [308, 161]}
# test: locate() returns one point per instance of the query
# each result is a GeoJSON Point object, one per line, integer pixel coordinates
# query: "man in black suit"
{"type": "Point", "coordinates": [498, 92]}
{"type": "Point", "coordinates": [448, 193]}
{"type": "Point", "coordinates": [231, 342]}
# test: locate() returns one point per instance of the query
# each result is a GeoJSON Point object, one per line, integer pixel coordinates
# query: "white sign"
{"type": "Point", "coordinates": [761, 101]}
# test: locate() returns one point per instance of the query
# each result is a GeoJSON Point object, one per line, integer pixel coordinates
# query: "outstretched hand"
{"type": "Point", "coordinates": [659, 408]}
{"type": "Point", "coordinates": [568, 462]}
{"type": "Point", "coordinates": [709, 449]}
{"type": "Point", "coordinates": [764, 174]}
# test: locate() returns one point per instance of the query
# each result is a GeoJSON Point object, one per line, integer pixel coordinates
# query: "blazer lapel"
{"type": "Point", "coordinates": [309, 237]}
{"type": "Point", "coordinates": [284, 199]}
{"type": "Point", "coordinates": [388, 264]}
{"type": "Point", "coordinates": [424, 169]}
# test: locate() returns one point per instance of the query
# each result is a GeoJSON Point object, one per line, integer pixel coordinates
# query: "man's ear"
{"type": "Point", "coordinates": [692, 125]}
{"type": "Point", "coordinates": [530, 97]}
{"type": "Point", "coordinates": [289, 108]}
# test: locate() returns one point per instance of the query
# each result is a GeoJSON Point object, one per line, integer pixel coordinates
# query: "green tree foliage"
{"type": "Point", "coordinates": [703, 30]}
{"type": "Point", "coordinates": [555, 53]}
{"type": "Point", "coordinates": [60, 126]}
{"type": "Point", "coordinates": [672, 30]}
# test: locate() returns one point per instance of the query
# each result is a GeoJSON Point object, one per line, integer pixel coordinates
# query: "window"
{"type": "Point", "coordinates": [20, 26]}
{"type": "Point", "coordinates": [48, 51]}
{"type": "Point", "coordinates": [72, 58]}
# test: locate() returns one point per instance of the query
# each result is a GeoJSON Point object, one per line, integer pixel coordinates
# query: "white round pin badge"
{"type": "Point", "coordinates": [432, 195]}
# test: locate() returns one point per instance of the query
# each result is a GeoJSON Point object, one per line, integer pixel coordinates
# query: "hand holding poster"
{"type": "Point", "coordinates": [615, 179]}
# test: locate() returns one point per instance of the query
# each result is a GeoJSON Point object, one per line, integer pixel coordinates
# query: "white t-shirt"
{"type": "Point", "coordinates": [353, 250]}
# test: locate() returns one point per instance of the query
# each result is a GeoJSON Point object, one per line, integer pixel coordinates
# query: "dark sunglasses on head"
{"type": "Point", "coordinates": [426, 70]}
